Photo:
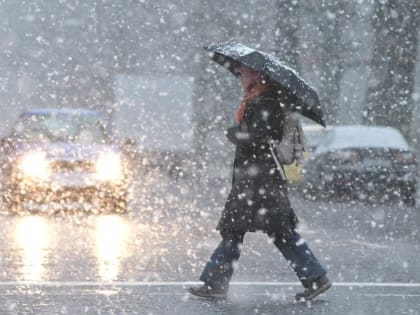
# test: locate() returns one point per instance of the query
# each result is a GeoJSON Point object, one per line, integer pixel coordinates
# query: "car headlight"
{"type": "Point", "coordinates": [35, 165]}
{"type": "Point", "coordinates": [109, 167]}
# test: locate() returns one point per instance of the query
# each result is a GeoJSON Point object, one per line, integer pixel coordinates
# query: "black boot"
{"type": "Point", "coordinates": [209, 292]}
{"type": "Point", "coordinates": [317, 287]}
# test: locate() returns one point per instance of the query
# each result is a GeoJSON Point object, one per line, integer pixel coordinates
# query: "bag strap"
{"type": "Point", "coordinates": [276, 160]}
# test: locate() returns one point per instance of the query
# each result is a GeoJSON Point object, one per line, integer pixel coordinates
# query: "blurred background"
{"type": "Point", "coordinates": [125, 57]}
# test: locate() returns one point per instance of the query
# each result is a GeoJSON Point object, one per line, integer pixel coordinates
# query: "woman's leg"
{"type": "Point", "coordinates": [300, 258]}
{"type": "Point", "coordinates": [219, 268]}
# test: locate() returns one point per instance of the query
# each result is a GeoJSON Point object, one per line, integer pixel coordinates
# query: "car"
{"type": "Point", "coordinates": [64, 156]}
{"type": "Point", "coordinates": [362, 161]}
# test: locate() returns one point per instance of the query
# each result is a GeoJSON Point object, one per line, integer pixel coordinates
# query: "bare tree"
{"type": "Point", "coordinates": [396, 24]}
{"type": "Point", "coordinates": [332, 20]}
{"type": "Point", "coordinates": [286, 29]}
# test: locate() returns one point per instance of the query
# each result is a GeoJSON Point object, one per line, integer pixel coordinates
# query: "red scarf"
{"type": "Point", "coordinates": [251, 93]}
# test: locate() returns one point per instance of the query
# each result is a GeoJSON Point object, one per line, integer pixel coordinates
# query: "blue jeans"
{"type": "Point", "coordinates": [219, 268]}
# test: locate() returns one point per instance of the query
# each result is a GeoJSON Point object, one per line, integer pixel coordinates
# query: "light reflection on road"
{"type": "Point", "coordinates": [32, 234]}
{"type": "Point", "coordinates": [111, 236]}
{"type": "Point", "coordinates": [101, 240]}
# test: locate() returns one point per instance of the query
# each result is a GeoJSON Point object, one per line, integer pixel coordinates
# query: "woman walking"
{"type": "Point", "coordinates": [258, 200]}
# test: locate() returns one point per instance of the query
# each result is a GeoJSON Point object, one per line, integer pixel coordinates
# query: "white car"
{"type": "Point", "coordinates": [63, 156]}
{"type": "Point", "coordinates": [363, 160]}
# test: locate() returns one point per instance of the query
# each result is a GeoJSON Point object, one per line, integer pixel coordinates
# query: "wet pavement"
{"type": "Point", "coordinates": [143, 261]}
{"type": "Point", "coordinates": [244, 298]}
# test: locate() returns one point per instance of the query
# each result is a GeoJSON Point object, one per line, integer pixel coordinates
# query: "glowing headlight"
{"type": "Point", "coordinates": [35, 165]}
{"type": "Point", "coordinates": [109, 167]}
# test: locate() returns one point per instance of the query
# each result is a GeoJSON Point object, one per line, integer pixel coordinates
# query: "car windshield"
{"type": "Point", "coordinates": [59, 127]}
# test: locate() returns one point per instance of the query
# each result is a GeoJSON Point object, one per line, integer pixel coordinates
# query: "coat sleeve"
{"type": "Point", "coordinates": [264, 122]}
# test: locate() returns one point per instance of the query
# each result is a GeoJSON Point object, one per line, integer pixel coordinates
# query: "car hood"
{"type": "Point", "coordinates": [69, 151]}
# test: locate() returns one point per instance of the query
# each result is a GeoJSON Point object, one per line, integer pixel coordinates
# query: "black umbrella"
{"type": "Point", "coordinates": [305, 99]}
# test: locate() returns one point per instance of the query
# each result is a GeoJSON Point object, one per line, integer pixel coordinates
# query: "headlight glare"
{"type": "Point", "coordinates": [109, 167]}
{"type": "Point", "coordinates": [35, 165]}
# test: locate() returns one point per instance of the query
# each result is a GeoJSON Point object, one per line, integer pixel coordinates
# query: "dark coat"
{"type": "Point", "coordinates": [258, 199]}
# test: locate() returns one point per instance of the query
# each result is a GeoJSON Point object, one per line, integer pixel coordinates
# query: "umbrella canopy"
{"type": "Point", "coordinates": [304, 98]}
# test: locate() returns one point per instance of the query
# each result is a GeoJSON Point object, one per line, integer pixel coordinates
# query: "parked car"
{"type": "Point", "coordinates": [63, 156]}
{"type": "Point", "coordinates": [360, 161]}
